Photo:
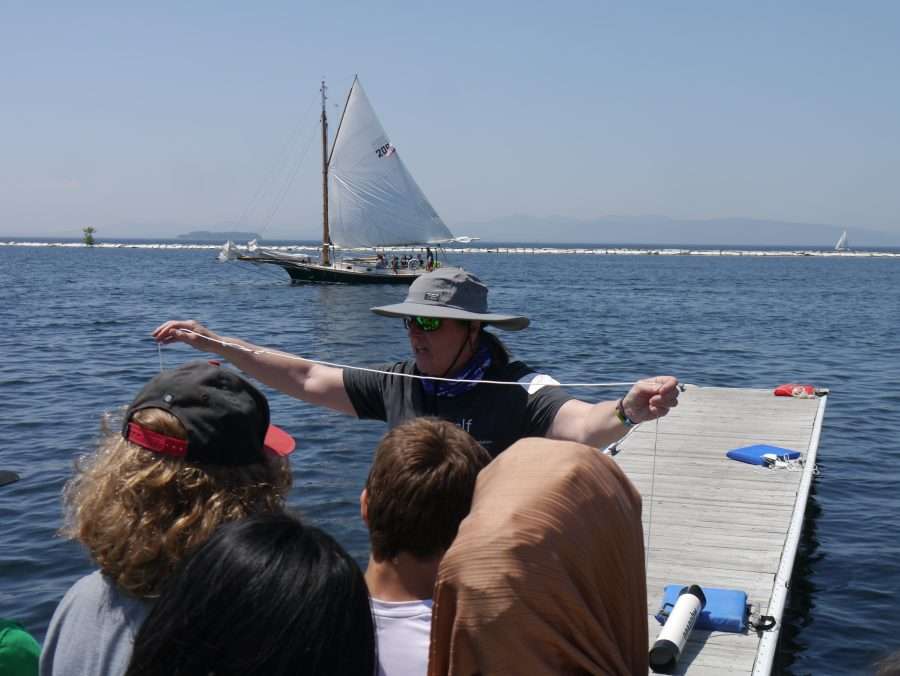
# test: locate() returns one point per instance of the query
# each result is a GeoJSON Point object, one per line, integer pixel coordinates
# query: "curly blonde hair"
{"type": "Point", "coordinates": [140, 513]}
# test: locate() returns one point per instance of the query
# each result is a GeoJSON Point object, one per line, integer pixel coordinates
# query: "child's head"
{"type": "Point", "coordinates": [267, 595]}
{"type": "Point", "coordinates": [196, 449]}
{"type": "Point", "coordinates": [420, 488]}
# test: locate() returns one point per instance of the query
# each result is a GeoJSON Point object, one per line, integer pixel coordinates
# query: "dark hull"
{"type": "Point", "coordinates": [302, 273]}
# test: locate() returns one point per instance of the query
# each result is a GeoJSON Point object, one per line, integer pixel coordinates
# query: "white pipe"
{"type": "Point", "coordinates": [765, 653]}
{"type": "Point", "coordinates": [678, 627]}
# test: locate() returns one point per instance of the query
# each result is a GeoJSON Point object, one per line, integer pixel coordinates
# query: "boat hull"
{"type": "Point", "coordinates": [338, 273]}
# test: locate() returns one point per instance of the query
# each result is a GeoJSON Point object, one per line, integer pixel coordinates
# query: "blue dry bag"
{"type": "Point", "coordinates": [725, 609]}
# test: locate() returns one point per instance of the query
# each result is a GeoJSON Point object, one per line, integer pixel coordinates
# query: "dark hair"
{"type": "Point", "coordinates": [264, 596]}
{"type": "Point", "coordinates": [420, 487]}
{"type": "Point", "coordinates": [499, 352]}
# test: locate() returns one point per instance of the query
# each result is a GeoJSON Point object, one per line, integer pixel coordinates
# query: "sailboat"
{"type": "Point", "coordinates": [369, 200]}
{"type": "Point", "coordinates": [842, 243]}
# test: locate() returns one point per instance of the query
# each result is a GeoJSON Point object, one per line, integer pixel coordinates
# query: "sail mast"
{"type": "Point", "coordinates": [326, 237]}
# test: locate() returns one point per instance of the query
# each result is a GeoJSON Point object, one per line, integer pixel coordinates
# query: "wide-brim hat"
{"type": "Point", "coordinates": [451, 293]}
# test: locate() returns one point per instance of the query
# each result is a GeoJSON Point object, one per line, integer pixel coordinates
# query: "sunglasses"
{"type": "Point", "coordinates": [426, 324]}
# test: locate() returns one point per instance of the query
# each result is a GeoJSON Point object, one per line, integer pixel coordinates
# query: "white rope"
{"type": "Point", "coordinates": [286, 355]}
{"type": "Point", "coordinates": [652, 491]}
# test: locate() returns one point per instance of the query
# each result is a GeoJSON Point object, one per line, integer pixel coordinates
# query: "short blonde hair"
{"type": "Point", "coordinates": [140, 513]}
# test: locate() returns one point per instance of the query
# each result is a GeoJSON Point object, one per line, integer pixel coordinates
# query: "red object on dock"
{"type": "Point", "coordinates": [800, 391]}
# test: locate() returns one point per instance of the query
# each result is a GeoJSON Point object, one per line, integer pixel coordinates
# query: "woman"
{"type": "Point", "coordinates": [266, 596]}
{"type": "Point", "coordinates": [195, 450]}
{"type": "Point", "coordinates": [546, 574]}
{"type": "Point", "coordinates": [445, 314]}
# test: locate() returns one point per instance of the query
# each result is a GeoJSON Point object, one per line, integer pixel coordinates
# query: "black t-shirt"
{"type": "Point", "coordinates": [496, 415]}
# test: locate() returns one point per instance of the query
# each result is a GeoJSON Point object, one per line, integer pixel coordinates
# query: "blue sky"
{"type": "Point", "coordinates": [156, 120]}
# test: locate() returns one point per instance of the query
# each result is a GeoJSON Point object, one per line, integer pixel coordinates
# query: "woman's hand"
{"type": "Point", "coordinates": [189, 332]}
{"type": "Point", "coordinates": [651, 398]}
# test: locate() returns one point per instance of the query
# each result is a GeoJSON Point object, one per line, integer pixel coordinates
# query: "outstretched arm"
{"type": "Point", "coordinates": [598, 425]}
{"type": "Point", "coordinates": [313, 383]}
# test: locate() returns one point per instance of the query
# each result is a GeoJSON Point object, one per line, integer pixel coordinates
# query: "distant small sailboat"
{"type": "Point", "coordinates": [842, 243]}
{"type": "Point", "coordinates": [229, 252]}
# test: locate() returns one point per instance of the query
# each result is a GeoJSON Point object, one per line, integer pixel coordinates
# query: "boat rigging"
{"type": "Point", "coordinates": [369, 200]}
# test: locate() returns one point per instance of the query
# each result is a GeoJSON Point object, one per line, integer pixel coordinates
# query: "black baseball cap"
{"type": "Point", "coordinates": [226, 418]}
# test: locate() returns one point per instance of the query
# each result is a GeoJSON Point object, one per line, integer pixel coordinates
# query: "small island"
{"type": "Point", "coordinates": [209, 236]}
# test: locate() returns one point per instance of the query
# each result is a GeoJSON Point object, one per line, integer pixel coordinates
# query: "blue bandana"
{"type": "Point", "coordinates": [473, 370]}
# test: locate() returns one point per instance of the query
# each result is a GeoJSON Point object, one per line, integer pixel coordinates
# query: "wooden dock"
{"type": "Point", "coordinates": [716, 522]}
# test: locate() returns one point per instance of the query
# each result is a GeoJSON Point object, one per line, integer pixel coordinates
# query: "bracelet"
{"type": "Point", "coordinates": [622, 416]}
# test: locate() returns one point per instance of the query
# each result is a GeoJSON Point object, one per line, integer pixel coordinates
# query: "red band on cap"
{"type": "Point", "coordinates": [156, 442]}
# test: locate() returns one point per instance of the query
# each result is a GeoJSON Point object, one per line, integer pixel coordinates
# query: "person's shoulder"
{"type": "Point", "coordinates": [388, 368]}
{"type": "Point", "coordinates": [93, 628]}
{"type": "Point", "coordinates": [531, 381]}
{"type": "Point", "coordinates": [86, 595]}
{"type": "Point", "coordinates": [98, 590]}
{"type": "Point", "coordinates": [407, 366]}
{"type": "Point", "coordinates": [92, 584]}
{"type": "Point", "coordinates": [511, 371]}
{"type": "Point", "coordinates": [383, 370]}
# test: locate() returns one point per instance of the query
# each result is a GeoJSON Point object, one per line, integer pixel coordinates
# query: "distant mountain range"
{"type": "Point", "coordinates": [647, 230]}
{"type": "Point", "coordinates": [661, 230]}
{"type": "Point", "coordinates": [210, 236]}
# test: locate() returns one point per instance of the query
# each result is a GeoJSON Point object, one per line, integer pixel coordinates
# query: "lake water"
{"type": "Point", "coordinates": [75, 343]}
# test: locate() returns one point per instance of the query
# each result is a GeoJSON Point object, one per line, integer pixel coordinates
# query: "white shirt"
{"type": "Point", "coordinates": [404, 631]}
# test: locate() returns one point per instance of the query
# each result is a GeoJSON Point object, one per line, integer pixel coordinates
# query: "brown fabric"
{"type": "Point", "coordinates": [546, 575]}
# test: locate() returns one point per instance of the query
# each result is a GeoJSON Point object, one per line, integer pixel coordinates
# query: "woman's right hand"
{"type": "Point", "coordinates": [189, 332]}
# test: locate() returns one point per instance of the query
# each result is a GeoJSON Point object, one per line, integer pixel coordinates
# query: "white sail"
{"type": "Point", "coordinates": [842, 242]}
{"type": "Point", "coordinates": [372, 198]}
{"type": "Point", "coordinates": [228, 252]}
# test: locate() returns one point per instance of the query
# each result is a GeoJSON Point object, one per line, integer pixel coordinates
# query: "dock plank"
{"type": "Point", "coordinates": [712, 521]}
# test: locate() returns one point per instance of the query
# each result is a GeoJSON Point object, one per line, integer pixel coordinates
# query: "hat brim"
{"type": "Point", "coordinates": [409, 309]}
{"type": "Point", "coordinates": [278, 441]}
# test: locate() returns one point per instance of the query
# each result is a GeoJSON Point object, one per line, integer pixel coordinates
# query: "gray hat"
{"type": "Point", "coordinates": [450, 293]}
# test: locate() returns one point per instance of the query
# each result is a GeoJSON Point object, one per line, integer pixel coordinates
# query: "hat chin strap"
{"type": "Point", "coordinates": [459, 351]}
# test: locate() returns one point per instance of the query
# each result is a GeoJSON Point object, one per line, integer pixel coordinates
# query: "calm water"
{"type": "Point", "coordinates": [75, 343]}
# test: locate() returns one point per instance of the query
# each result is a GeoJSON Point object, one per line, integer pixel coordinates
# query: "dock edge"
{"type": "Point", "coordinates": [765, 653]}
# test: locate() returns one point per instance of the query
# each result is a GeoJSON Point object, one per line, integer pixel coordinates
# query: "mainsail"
{"type": "Point", "coordinates": [842, 242]}
{"type": "Point", "coordinates": [372, 198]}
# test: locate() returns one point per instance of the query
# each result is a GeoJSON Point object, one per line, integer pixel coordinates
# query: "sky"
{"type": "Point", "coordinates": [154, 120]}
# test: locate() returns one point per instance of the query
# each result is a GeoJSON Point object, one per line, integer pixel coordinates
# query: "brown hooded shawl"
{"type": "Point", "coordinates": [546, 575]}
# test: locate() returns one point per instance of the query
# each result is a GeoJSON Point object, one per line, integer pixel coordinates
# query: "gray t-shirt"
{"type": "Point", "coordinates": [495, 415]}
{"type": "Point", "coordinates": [92, 630]}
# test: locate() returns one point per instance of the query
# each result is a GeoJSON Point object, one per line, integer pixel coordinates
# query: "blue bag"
{"type": "Point", "coordinates": [725, 609]}
{"type": "Point", "coordinates": [754, 454]}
